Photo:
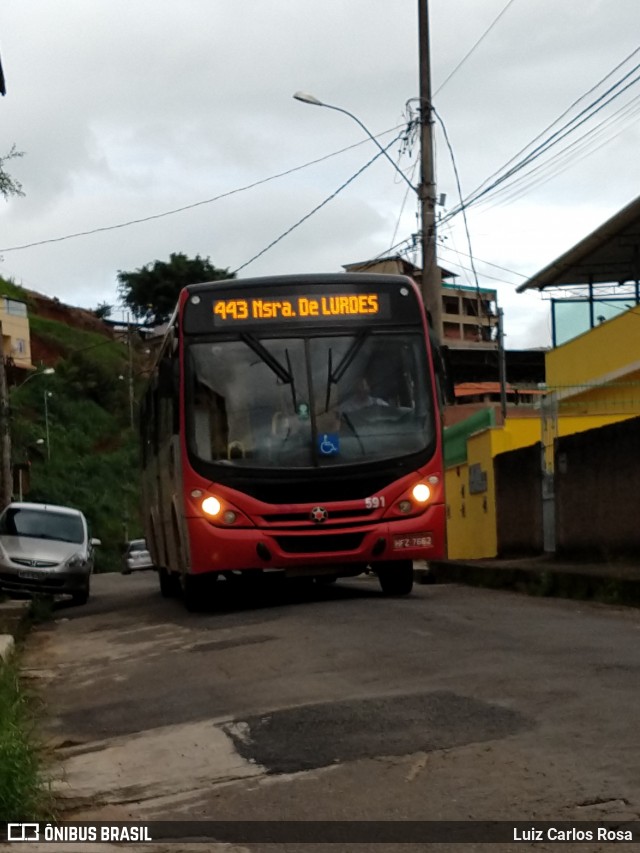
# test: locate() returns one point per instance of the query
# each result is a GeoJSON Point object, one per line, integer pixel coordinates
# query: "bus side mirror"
{"type": "Point", "coordinates": [443, 372]}
{"type": "Point", "coordinates": [447, 376]}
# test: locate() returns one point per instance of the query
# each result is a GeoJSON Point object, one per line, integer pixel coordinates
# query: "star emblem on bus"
{"type": "Point", "coordinates": [318, 514]}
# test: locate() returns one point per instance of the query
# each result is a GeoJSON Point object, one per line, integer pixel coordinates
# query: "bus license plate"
{"type": "Point", "coordinates": [419, 540]}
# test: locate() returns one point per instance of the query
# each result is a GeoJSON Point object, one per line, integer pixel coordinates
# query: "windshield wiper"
{"type": "Point", "coordinates": [334, 376]}
{"type": "Point", "coordinates": [345, 417]}
{"type": "Point", "coordinates": [284, 375]}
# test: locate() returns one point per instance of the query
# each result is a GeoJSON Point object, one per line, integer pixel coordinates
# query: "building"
{"type": "Point", "coordinates": [470, 340]}
{"type": "Point", "coordinates": [565, 480]}
{"type": "Point", "coordinates": [469, 314]}
{"type": "Point", "coordinates": [16, 339]}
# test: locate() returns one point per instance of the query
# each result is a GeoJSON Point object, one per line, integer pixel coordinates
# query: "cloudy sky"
{"type": "Point", "coordinates": [129, 109]}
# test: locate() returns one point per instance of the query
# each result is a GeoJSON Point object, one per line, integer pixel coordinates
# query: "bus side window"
{"type": "Point", "coordinates": [211, 423]}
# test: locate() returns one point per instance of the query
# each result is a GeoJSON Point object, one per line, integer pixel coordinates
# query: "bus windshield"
{"type": "Point", "coordinates": [308, 401]}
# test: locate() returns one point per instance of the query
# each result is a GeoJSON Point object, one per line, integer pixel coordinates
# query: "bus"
{"type": "Point", "coordinates": [292, 424]}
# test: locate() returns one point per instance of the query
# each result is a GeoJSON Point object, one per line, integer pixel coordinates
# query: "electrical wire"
{"type": "Point", "coordinates": [560, 117]}
{"type": "Point", "coordinates": [585, 115]}
{"type": "Point", "coordinates": [571, 154]}
{"type": "Point", "coordinates": [473, 49]}
{"type": "Point", "coordinates": [464, 211]}
{"type": "Point", "coordinates": [193, 205]}
{"type": "Point", "coordinates": [487, 263]}
{"type": "Point", "coordinates": [316, 208]}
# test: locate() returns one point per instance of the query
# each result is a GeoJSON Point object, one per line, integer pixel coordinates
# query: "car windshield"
{"type": "Point", "coordinates": [42, 524]}
{"type": "Point", "coordinates": [304, 402]}
{"type": "Point", "coordinates": [139, 545]}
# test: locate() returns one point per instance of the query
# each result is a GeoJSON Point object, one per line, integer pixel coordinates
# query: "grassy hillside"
{"type": "Point", "coordinates": [93, 455]}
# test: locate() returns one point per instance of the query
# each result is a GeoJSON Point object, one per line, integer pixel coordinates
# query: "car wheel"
{"type": "Point", "coordinates": [396, 578]}
{"type": "Point", "coordinates": [169, 583]}
{"type": "Point", "coordinates": [79, 598]}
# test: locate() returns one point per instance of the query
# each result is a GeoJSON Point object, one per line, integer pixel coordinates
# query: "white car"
{"type": "Point", "coordinates": [46, 549]}
{"type": "Point", "coordinates": [136, 558]}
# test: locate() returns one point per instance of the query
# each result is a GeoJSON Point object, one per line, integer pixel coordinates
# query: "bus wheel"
{"type": "Point", "coordinates": [396, 578]}
{"type": "Point", "coordinates": [197, 591]}
{"type": "Point", "coordinates": [169, 583]}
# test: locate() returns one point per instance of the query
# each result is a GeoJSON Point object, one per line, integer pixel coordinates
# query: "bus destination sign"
{"type": "Point", "coordinates": [257, 309]}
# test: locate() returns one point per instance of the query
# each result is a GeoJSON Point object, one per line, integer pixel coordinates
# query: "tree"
{"type": "Point", "coordinates": [152, 291]}
{"type": "Point", "coordinates": [8, 185]}
{"type": "Point", "coordinates": [103, 310]}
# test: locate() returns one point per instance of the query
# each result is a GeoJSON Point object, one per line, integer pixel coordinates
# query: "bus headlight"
{"type": "Point", "coordinates": [211, 506]}
{"type": "Point", "coordinates": [421, 493]}
{"type": "Point", "coordinates": [405, 507]}
{"type": "Point", "coordinates": [229, 517]}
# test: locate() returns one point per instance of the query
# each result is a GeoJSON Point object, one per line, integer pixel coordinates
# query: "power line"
{"type": "Point", "coordinates": [316, 208]}
{"type": "Point", "coordinates": [559, 118]}
{"type": "Point", "coordinates": [568, 156]}
{"type": "Point", "coordinates": [487, 263]}
{"type": "Point", "coordinates": [473, 49]}
{"type": "Point", "coordinates": [197, 203]}
{"type": "Point", "coordinates": [581, 118]}
{"type": "Point", "coordinates": [464, 212]}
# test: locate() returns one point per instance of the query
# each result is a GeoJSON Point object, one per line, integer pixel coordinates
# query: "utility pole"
{"type": "Point", "coordinates": [431, 279]}
{"type": "Point", "coordinates": [6, 474]}
{"type": "Point", "coordinates": [502, 365]}
{"type": "Point", "coordinates": [130, 377]}
{"type": "Point", "coordinates": [47, 394]}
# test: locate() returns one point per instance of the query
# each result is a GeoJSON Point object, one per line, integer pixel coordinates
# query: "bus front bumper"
{"type": "Point", "coordinates": [293, 550]}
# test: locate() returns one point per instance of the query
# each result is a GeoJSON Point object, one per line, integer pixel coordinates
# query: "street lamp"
{"type": "Point", "coordinates": [46, 372]}
{"type": "Point", "coordinates": [24, 466]}
{"type": "Point", "coordinates": [6, 476]}
{"type": "Point", "coordinates": [431, 285]}
{"type": "Point", "coordinates": [306, 98]}
{"type": "Point", "coordinates": [47, 394]}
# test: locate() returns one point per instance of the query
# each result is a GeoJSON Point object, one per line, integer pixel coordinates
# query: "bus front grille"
{"type": "Point", "coordinates": [320, 543]}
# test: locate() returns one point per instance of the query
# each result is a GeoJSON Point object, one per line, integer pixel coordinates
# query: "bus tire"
{"type": "Point", "coordinates": [396, 578]}
{"type": "Point", "coordinates": [169, 583]}
{"type": "Point", "coordinates": [197, 591]}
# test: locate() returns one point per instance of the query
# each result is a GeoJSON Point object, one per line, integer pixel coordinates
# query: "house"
{"type": "Point", "coordinates": [469, 314]}
{"type": "Point", "coordinates": [563, 481]}
{"type": "Point", "coordinates": [16, 339]}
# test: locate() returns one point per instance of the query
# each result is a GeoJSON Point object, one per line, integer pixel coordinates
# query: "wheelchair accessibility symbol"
{"type": "Point", "coordinates": [328, 444]}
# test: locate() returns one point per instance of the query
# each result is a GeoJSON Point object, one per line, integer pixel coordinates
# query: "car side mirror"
{"type": "Point", "coordinates": [95, 542]}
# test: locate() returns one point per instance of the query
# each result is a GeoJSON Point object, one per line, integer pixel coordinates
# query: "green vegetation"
{"type": "Point", "coordinates": [91, 460]}
{"type": "Point", "coordinates": [9, 186]}
{"type": "Point", "coordinates": [152, 291]}
{"type": "Point", "coordinates": [23, 791]}
{"type": "Point", "coordinates": [15, 291]}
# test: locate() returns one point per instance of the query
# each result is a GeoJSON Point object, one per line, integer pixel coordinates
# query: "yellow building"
{"type": "Point", "coordinates": [592, 379]}
{"type": "Point", "coordinates": [16, 341]}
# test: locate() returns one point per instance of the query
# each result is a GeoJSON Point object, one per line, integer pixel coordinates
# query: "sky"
{"type": "Point", "coordinates": [130, 109]}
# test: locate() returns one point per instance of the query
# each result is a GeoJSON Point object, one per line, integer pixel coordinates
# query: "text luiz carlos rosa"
{"type": "Point", "coordinates": [552, 833]}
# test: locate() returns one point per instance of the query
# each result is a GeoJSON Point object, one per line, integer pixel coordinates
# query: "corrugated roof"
{"type": "Point", "coordinates": [610, 254]}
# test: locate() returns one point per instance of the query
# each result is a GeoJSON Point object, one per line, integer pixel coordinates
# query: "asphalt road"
{"type": "Point", "coordinates": [335, 703]}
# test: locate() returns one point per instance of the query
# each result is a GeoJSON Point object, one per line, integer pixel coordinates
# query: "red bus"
{"type": "Point", "coordinates": [292, 424]}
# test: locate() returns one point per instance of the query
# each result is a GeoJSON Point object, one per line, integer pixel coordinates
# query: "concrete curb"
{"type": "Point", "coordinates": [540, 577]}
{"type": "Point", "coordinates": [12, 617]}
{"type": "Point", "coordinates": [7, 645]}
